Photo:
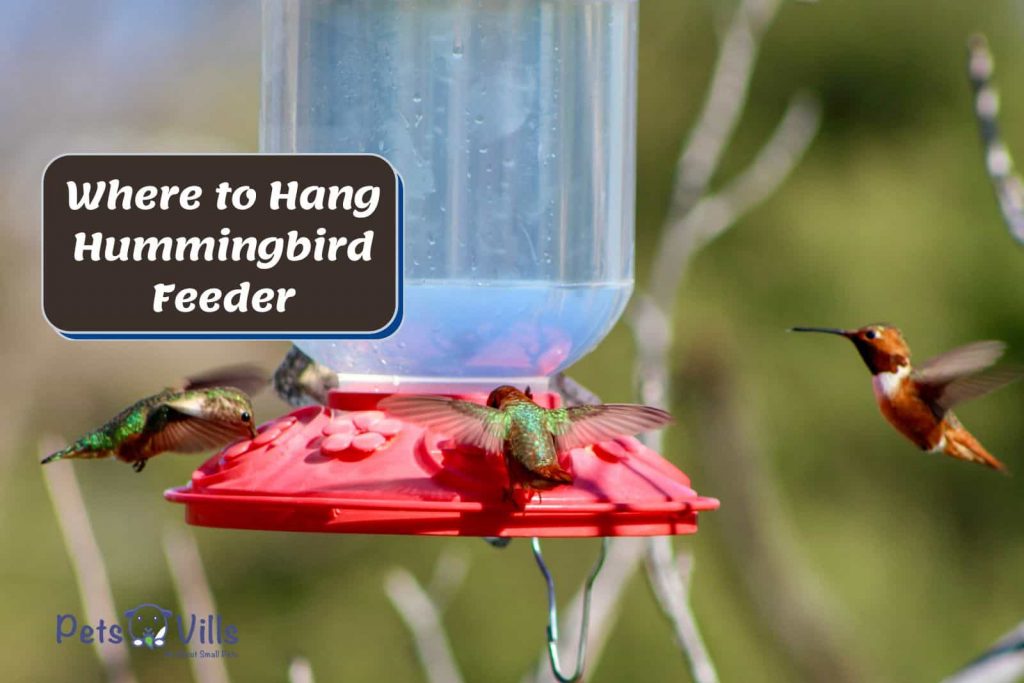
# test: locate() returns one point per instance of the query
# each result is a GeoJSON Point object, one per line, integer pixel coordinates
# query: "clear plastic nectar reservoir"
{"type": "Point", "coordinates": [512, 124]}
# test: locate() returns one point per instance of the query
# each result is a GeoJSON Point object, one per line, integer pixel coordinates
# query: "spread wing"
{"type": "Point", "coordinates": [467, 422]}
{"type": "Point", "coordinates": [957, 376]}
{"type": "Point", "coordinates": [248, 378]}
{"type": "Point", "coordinates": [174, 426]}
{"type": "Point", "coordinates": [589, 424]}
{"type": "Point", "coordinates": [299, 380]}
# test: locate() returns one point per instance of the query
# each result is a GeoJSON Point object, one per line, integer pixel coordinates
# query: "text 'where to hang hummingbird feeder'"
{"type": "Point", "coordinates": [512, 126]}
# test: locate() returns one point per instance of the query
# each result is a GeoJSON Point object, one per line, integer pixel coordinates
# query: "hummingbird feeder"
{"type": "Point", "coordinates": [513, 127]}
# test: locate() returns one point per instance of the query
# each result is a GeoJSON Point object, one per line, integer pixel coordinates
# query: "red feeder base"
{"type": "Point", "coordinates": [349, 468]}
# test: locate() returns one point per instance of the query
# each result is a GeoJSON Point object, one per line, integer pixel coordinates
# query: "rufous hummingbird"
{"type": "Point", "coordinates": [918, 401]}
{"type": "Point", "coordinates": [528, 436]}
{"type": "Point", "coordinates": [200, 414]}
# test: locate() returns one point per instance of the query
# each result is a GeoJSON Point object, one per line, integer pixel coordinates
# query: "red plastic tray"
{"type": "Point", "coordinates": [349, 468]}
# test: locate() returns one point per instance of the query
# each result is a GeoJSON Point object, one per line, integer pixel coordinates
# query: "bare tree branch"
{"type": "Point", "coordinates": [1003, 663]}
{"type": "Point", "coordinates": [573, 393]}
{"type": "Point", "coordinates": [685, 233]}
{"type": "Point", "coordinates": [694, 220]}
{"type": "Point", "coordinates": [422, 616]}
{"type": "Point", "coordinates": [653, 334]}
{"type": "Point", "coordinates": [998, 161]}
{"type": "Point", "coordinates": [86, 559]}
{"type": "Point", "coordinates": [724, 102]}
{"type": "Point", "coordinates": [194, 594]}
{"type": "Point", "coordinates": [449, 574]}
{"type": "Point", "coordinates": [300, 671]}
{"type": "Point", "coordinates": [670, 581]}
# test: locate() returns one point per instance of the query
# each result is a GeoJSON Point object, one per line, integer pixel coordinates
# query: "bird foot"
{"type": "Point", "coordinates": [518, 497]}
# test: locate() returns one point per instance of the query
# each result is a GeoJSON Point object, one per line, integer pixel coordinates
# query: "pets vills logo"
{"type": "Point", "coordinates": [149, 626]}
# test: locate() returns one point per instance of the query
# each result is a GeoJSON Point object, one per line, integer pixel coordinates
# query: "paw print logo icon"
{"type": "Point", "coordinates": [147, 625]}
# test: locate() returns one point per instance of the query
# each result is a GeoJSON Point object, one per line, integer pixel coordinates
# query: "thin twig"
{"type": "Point", "coordinates": [998, 161]}
{"type": "Point", "coordinates": [685, 234]}
{"type": "Point", "coordinates": [652, 333]}
{"type": "Point", "coordinates": [300, 671]}
{"type": "Point", "coordinates": [1002, 663]}
{"type": "Point", "coordinates": [573, 393]}
{"type": "Point", "coordinates": [86, 559]}
{"type": "Point", "coordinates": [449, 574]}
{"type": "Point", "coordinates": [670, 581]}
{"type": "Point", "coordinates": [422, 616]}
{"type": "Point", "coordinates": [194, 595]}
{"type": "Point", "coordinates": [724, 103]}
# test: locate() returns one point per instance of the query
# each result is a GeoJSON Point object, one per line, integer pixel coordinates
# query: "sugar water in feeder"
{"type": "Point", "coordinates": [512, 125]}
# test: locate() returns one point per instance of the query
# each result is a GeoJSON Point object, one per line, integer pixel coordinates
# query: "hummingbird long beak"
{"type": "Point", "coordinates": [824, 330]}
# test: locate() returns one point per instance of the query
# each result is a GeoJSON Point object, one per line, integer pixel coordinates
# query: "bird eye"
{"type": "Point", "coordinates": [871, 334]}
{"type": "Point", "coordinates": [245, 416]}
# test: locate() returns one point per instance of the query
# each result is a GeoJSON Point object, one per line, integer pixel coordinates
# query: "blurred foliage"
{"type": "Point", "coordinates": [889, 218]}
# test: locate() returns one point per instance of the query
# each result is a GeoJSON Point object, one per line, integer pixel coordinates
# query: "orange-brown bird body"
{"type": "Point", "coordinates": [918, 402]}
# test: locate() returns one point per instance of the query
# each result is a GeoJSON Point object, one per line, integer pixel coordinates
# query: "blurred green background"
{"type": "Point", "coordinates": [890, 217]}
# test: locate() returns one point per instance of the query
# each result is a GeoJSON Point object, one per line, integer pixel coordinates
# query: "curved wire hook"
{"type": "Point", "coordinates": [588, 587]}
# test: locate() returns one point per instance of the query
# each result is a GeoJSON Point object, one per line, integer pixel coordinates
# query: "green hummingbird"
{"type": "Point", "coordinates": [301, 381]}
{"type": "Point", "coordinates": [200, 414]}
{"type": "Point", "coordinates": [528, 436]}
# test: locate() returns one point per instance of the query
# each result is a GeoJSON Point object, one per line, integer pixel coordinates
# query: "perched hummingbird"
{"type": "Point", "coordinates": [528, 436]}
{"type": "Point", "coordinates": [202, 413]}
{"type": "Point", "coordinates": [301, 381]}
{"type": "Point", "coordinates": [918, 401]}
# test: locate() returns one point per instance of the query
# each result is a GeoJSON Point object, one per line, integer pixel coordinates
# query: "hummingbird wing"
{"type": "Point", "coordinates": [957, 376]}
{"type": "Point", "coordinates": [299, 380]}
{"type": "Point", "coordinates": [963, 360]}
{"type": "Point", "coordinates": [247, 378]}
{"type": "Point", "coordinates": [589, 424]}
{"type": "Point", "coordinates": [467, 422]}
{"type": "Point", "coordinates": [179, 425]}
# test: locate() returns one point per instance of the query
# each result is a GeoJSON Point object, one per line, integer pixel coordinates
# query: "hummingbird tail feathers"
{"type": "Point", "coordinates": [73, 451]}
{"type": "Point", "coordinates": [63, 453]}
{"type": "Point", "coordinates": [554, 473]}
{"type": "Point", "coordinates": [50, 458]}
{"type": "Point", "coordinates": [961, 444]}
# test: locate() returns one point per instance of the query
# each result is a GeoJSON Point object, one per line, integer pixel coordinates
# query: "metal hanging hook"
{"type": "Point", "coordinates": [588, 587]}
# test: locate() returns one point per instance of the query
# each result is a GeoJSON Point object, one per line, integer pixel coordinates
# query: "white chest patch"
{"type": "Point", "coordinates": [888, 384]}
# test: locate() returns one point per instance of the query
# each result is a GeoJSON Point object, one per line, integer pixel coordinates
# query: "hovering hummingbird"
{"type": "Point", "coordinates": [918, 401]}
{"type": "Point", "coordinates": [202, 413]}
{"type": "Point", "coordinates": [301, 381]}
{"type": "Point", "coordinates": [528, 436]}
